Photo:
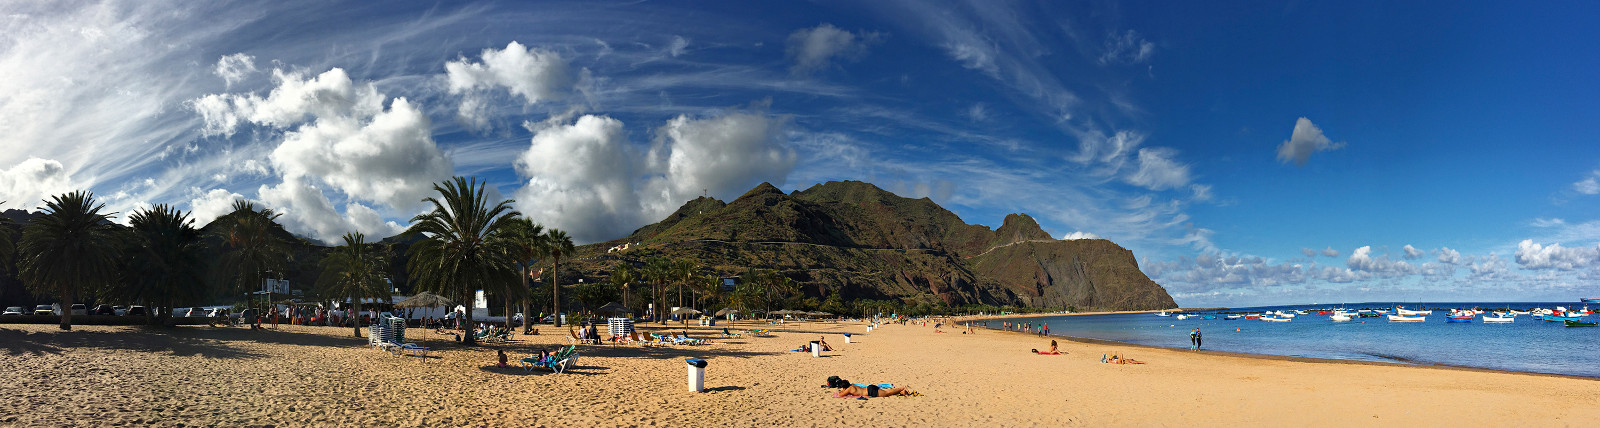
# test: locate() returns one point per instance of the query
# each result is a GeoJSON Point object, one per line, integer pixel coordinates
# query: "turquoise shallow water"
{"type": "Point", "coordinates": [1527, 345]}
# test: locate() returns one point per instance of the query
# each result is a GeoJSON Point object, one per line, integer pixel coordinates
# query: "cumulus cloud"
{"type": "Point", "coordinates": [1449, 256]}
{"type": "Point", "coordinates": [587, 178]}
{"type": "Point", "coordinates": [1412, 253]}
{"type": "Point", "coordinates": [1308, 252]}
{"type": "Point", "coordinates": [1157, 170]}
{"type": "Point", "coordinates": [813, 49]}
{"type": "Point", "coordinates": [1079, 235]}
{"type": "Point", "coordinates": [1306, 139]}
{"type": "Point", "coordinates": [1588, 185]}
{"type": "Point", "coordinates": [531, 73]}
{"type": "Point", "coordinates": [206, 206]}
{"type": "Point", "coordinates": [27, 184]}
{"type": "Point", "coordinates": [1330, 252]}
{"type": "Point", "coordinates": [234, 68]}
{"type": "Point", "coordinates": [1489, 268]}
{"type": "Point", "coordinates": [1127, 48]}
{"type": "Point", "coordinates": [1362, 260]}
{"type": "Point", "coordinates": [1531, 255]}
{"type": "Point", "coordinates": [338, 133]}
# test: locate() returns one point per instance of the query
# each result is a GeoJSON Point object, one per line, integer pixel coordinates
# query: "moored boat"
{"type": "Point", "coordinates": [1458, 318]}
{"type": "Point", "coordinates": [1407, 312]}
{"type": "Point", "coordinates": [1571, 323]}
{"type": "Point", "coordinates": [1487, 318]}
{"type": "Point", "coordinates": [1589, 300]}
{"type": "Point", "coordinates": [1340, 317]}
{"type": "Point", "coordinates": [1555, 318]}
{"type": "Point", "coordinates": [1402, 318]}
{"type": "Point", "coordinates": [1274, 319]}
{"type": "Point", "coordinates": [1231, 317]}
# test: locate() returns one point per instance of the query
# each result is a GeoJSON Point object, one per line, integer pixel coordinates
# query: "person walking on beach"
{"type": "Point", "coordinates": [1194, 337]}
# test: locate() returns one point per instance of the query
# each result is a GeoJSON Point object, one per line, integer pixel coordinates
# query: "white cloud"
{"type": "Point", "coordinates": [978, 112]}
{"type": "Point", "coordinates": [234, 68]}
{"type": "Point", "coordinates": [1079, 235]}
{"type": "Point", "coordinates": [341, 136]}
{"type": "Point", "coordinates": [1202, 192]}
{"type": "Point", "coordinates": [677, 47]}
{"type": "Point", "coordinates": [580, 178]}
{"type": "Point", "coordinates": [534, 74]}
{"type": "Point", "coordinates": [1531, 255]}
{"type": "Point", "coordinates": [1306, 139]}
{"type": "Point", "coordinates": [1308, 252]}
{"type": "Point", "coordinates": [1362, 260]}
{"type": "Point", "coordinates": [206, 206]}
{"type": "Point", "coordinates": [1157, 170]}
{"type": "Point", "coordinates": [813, 49]}
{"type": "Point", "coordinates": [586, 178]}
{"type": "Point", "coordinates": [1449, 256]}
{"type": "Point", "coordinates": [1490, 268]}
{"type": "Point", "coordinates": [1412, 253]}
{"type": "Point", "coordinates": [1588, 185]}
{"type": "Point", "coordinates": [1330, 252]}
{"type": "Point", "coordinates": [27, 184]}
{"type": "Point", "coordinates": [1127, 48]}
{"type": "Point", "coordinates": [722, 155]}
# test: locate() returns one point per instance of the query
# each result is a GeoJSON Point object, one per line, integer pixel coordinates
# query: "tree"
{"type": "Point", "coordinates": [560, 245]}
{"type": "Point", "coordinates": [166, 259]}
{"type": "Point", "coordinates": [354, 270]}
{"type": "Point", "coordinates": [528, 244]}
{"type": "Point", "coordinates": [253, 247]}
{"type": "Point", "coordinates": [683, 273]}
{"type": "Point", "coordinates": [658, 271]}
{"type": "Point", "coordinates": [465, 246]}
{"type": "Point", "coordinates": [622, 276]}
{"type": "Point", "coordinates": [69, 247]}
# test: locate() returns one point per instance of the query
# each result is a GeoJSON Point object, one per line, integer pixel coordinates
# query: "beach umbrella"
{"type": "Point", "coordinates": [612, 308]}
{"type": "Point", "coordinates": [686, 311]}
{"type": "Point", "coordinates": [425, 300]}
{"type": "Point", "coordinates": [726, 311]}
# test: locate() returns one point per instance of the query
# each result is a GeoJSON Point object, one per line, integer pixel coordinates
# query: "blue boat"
{"type": "Point", "coordinates": [1454, 318]}
{"type": "Point", "coordinates": [1589, 300]}
{"type": "Point", "coordinates": [1558, 318]}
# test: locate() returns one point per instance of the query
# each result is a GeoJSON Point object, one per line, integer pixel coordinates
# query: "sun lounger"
{"type": "Point", "coordinates": [557, 362]}
{"type": "Point", "coordinates": [726, 333]}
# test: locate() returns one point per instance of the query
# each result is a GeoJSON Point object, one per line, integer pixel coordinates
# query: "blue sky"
{"type": "Point", "coordinates": [1248, 153]}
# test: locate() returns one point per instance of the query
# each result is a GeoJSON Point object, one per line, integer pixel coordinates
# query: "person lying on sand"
{"type": "Point", "coordinates": [1114, 359]}
{"type": "Point", "coordinates": [873, 391]}
{"type": "Point", "coordinates": [1052, 350]}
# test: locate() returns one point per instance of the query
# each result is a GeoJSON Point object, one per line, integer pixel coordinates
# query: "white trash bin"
{"type": "Point", "coordinates": [816, 348]}
{"type": "Point", "coordinates": [847, 338]}
{"type": "Point", "coordinates": [697, 374]}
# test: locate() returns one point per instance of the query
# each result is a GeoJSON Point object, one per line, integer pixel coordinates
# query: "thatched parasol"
{"type": "Point", "coordinates": [726, 311]}
{"type": "Point", "coordinates": [686, 311]}
{"type": "Point", "coordinates": [425, 300]}
{"type": "Point", "coordinates": [612, 308]}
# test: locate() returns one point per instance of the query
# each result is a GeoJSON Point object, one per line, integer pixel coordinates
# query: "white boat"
{"type": "Point", "coordinates": [1517, 312]}
{"type": "Point", "coordinates": [1184, 317]}
{"type": "Point", "coordinates": [1339, 317]}
{"type": "Point", "coordinates": [1487, 318]}
{"type": "Point", "coordinates": [1408, 312]}
{"type": "Point", "coordinates": [1402, 318]}
{"type": "Point", "coordinates": [1163, 314]}
{"type": "Point", "coordinates": [1275, 319]}
{"type": "Point", "coordinates": [1300, 312]}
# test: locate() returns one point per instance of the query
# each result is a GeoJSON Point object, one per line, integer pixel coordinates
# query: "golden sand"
{"type": "Point", "coordinates": [322, 376]}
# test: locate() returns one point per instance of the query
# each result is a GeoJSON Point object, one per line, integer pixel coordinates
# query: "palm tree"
{"type": "Point", "coordinates": [253, 247]}
{"type": "Point", "coordinates": [527, 245]}
{"type": "Point", "coordinates": [70, 247]}
{"type": "Point", "coordinates": [621, 276]}
{"type": "Point", "coordinates": [658, 271]}
{"type": "Point", "coordinates": [166, 262]}
{"type": "Point", "coordinates": [354, 270]}
{"type": "Point", "coordinates": [7, 248]}
{"type": "Point", "coordinates": [466, 247]}
{"type": "Point", "coordinates": [683, 273]}
{"type": "Point", "coordinates": [560, 245]}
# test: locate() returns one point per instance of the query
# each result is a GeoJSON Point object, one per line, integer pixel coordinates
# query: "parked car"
{"type": "Point", "coordinates": [79, 309]}
{"type": "Point", "coordinates": [44, 310]}
{"type": "Point", "coordinates": [135, 310]}
{"type": "Point", "coordinates": [104, 310]}
{"type": "Point", "coordinates": [197, 312]}
{"type": "Point", "coordinates": [14, 310]}
{"type": "Point", "coordinates": [119, 311]}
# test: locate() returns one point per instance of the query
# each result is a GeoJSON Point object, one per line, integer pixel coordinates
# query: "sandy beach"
{"type": "Point", "coordinates": [299, 376]}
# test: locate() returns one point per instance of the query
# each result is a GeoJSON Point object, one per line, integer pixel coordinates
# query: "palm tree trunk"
{"type": "Point", "coordinates": [66, 307]}
{"type": "Point", "coordinates": [356, 316]}
{"type": "Point", "coordinates": [555, 290]}
{"type": "Point", "coordinates": [465, 321]}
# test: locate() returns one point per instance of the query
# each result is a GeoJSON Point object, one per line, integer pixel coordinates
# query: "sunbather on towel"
{"type": "Point", "coordinates": [1052, 350]}
{"type": "Point", "coordinates": [872, 391]}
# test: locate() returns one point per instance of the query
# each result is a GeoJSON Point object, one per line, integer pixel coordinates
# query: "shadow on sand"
{"type": "Point", "coordinates": [137, 339]}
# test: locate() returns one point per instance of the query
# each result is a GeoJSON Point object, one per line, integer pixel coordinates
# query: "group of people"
{"type": "Point", "coordinates": [856, 390]}
{"type": "Point", "coordinates": [1041, 329]}
{"type": "Point", "coordinates": [821, 343]}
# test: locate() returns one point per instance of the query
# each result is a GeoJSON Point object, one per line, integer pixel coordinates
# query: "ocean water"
{"type": "Point", "coordinates": [1526, 345]}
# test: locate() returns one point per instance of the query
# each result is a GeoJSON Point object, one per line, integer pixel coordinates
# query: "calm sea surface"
{"type": "Point", "coordinates": [1526, 345]}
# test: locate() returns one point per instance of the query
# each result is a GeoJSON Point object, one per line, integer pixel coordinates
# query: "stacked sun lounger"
{"type": "Point", "coordinates": [619, 326]}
